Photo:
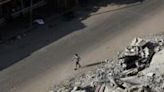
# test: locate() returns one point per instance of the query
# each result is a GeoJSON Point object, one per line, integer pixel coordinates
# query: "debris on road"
{"type": "Point", "coordinates": [131, 71]}
{"type": "Point", "coordinates": [39, 21]}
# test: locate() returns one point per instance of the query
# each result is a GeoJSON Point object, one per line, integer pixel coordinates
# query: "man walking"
{"type": "Point", "coordinates": [76, 59]}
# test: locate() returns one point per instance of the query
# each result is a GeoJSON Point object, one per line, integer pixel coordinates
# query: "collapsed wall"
{"type": "Point", "coordinates": [133, 70]}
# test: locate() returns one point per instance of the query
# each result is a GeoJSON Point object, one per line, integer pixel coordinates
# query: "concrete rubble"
{"type": "Point", "coordinates": [132, 71]}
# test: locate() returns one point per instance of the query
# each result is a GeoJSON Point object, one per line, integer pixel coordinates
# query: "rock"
{"type": "Point", "coordinates": [130, 72]}
{"type": "Point", "coordinates": [137, 55]}
{"type": "Point", "coordinates": [74, 89]}
{"type": "Point", "coordinates": [93, 84]}
{"type": "Point", "coordinates": [150, 74]}
{"type": "Point", "coordinates": [132, 51]}
{"type": "Point", "coordinates": [146, 53]}
{"type": "Point", "coordinates": [138, 42]}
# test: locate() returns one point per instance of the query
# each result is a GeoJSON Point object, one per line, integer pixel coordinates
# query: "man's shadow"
{"type": "Point", "coordinates": [93, 64]}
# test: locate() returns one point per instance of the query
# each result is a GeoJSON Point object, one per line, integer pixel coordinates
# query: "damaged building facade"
{"type": "Point", "coordinates": [14, 8]}
{"type": "Point", "coordinates": [28, 10]}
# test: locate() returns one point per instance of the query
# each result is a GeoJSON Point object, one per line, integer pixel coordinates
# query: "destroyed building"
{"type": "Point", "coordinates": [28, 10]}
{"type": "Point", "coordinates": [137, 69]}
{"type": "Point", "coordinates": [13, 8]}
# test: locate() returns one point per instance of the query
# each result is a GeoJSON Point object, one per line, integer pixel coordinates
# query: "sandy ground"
{"type": "Point", "coordinates": [101, 36]}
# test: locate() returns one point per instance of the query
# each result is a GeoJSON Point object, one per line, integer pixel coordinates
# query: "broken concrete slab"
{"type": "Point", "coordinates": [138, 42]}
{"type": "Point", "coordinates": [130, 72]}
{"type": "Point", "coordinates": [158, 58]}
{"type": "Point", "coordinates": [157, 63]}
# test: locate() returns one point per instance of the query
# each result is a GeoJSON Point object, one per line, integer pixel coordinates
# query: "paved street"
{"type": "Point", "coordinates": [96, 38]}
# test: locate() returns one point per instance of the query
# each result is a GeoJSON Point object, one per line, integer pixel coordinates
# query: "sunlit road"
{"type": "Point", "coordinates": [102, 37]}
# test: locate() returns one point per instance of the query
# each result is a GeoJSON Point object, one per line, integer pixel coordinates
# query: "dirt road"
{"type": "Point", "coordinates": [101, 36]}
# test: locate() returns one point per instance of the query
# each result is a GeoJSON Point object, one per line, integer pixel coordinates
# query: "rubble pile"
{"type": "Point", "coordinates": [124, 73]}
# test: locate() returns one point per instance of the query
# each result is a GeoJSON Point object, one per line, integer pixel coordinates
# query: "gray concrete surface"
{"type": "Point", "coordinates": [98, 37]}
